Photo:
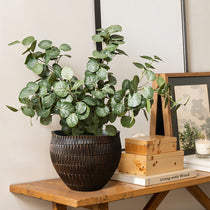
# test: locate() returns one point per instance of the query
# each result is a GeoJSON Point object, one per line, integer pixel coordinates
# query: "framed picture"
{"type": "Point", "coordinates": [190, 120]}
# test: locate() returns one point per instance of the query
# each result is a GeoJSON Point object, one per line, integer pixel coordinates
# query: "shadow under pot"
{"type": "Point", "coordinates": [86, 162]}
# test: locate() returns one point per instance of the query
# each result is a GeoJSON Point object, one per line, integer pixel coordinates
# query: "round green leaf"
{"type": "Point", "coordinates": [108, 90]}
{"type": "Point", "coordinates": [61, 88]}
{"type": "Point", "coordinates": [67, 73]}
{"type": "Point", "coordinates": [126, 84]}
{"type": "Point", "coordinates": [112, 117]}
{"type": "Point", "coordinates": [119, 108]}
{"type": "Point", "coordinates": [148, 92]}
{"type": "Point", "coordinates": [118, 96]}
{"type": "Point", "coordinates": [28, 40]}
{"type": "Point", "coordinates": [110, 130]}
{"type": "Point", "coordinates": [127, 121]}
{"type": "Point", "coordinates": [134, 100]}
{"type": "Point", "coordinates": [48, 101]}
{"type": "Point", "coordinates": [111, 47]}
{"type": "Point", "coordinates": [150, 75]}
{"type": "Point", "coordinates": [91, 80]}
{"type": "Point", "coordinates": [52, 53]}
{"type": "Point", "coordinates": [81, 107]}
{"type": "Point", "coordinates": [98, 94]}
{"type": "Point", "coordinates": [89, 101]}
{"type": "Point", "coordinates": [57, 69]}
{"type": "Point", "coordinates": [113, 102]}
{"type": "Point", "coordinates": [42, 91]}
{"type": "Point", "coordinates": [102, 74]}
{"type": "Point", "coordinates": [46, 120]}
{"type": "Point", "coordinates": [65, 47]}
{"type": "Point", "coordinates": [38, 68]}
{"type": "Point", "coordinates": [32, 63]}
{"type": "Point", "coordinates": [67, 99]}
{"type": "Point", "coordinates": [85, 115]}
{"type": "Point", "coordinates": [72, 120]}
{"type": "Point", "coordinates": [77, 84]}
{"type": "Point", "coordinates": [112, 80]}
{"type": "Point", "coordinates": [102, 111]}
{"type": "Point", "coordinates": [32, 87]}
{"type": "Point", "coordinates": [43, 112]}
{"type": "Point", "coordinates": [99, 55]}
{"type": "Point", "coordinates": [114, 28]}
{"type": "Point", "coordinates": [97, 38]}
{"type": "Point", "coordinates": [28, 111]}
{"type": "Point", "coordinates": [66, 109]}
{"type": "Point", "coordinates": [92, 65]}
{"type": "Point", "coordinates": [45, 44]}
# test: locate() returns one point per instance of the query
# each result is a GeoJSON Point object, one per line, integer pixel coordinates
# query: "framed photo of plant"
{"type": "Point", "coordinates": [190, 122]}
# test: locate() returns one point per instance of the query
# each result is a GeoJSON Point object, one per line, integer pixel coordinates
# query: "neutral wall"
{"type": "Point", "coordinates": [25, 150]}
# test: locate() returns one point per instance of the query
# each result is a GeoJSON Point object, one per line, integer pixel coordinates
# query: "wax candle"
{"type": "Point", "coordinates": [202, 147]}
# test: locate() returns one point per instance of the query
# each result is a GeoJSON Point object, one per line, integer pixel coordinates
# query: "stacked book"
{"type": "Point", "coordinates": [202, 164]}
{"type": "Point", "coordinates": [149, 160]}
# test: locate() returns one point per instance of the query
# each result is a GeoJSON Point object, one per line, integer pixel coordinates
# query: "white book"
{"type": "Point", "coordinates": [193, 160]}
{"type": "Point", "coordinates": [154, 179]}
{"type": "Point", "coordinates": [197, 167]}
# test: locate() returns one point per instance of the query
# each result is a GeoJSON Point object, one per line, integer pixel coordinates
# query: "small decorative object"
{"type": "Point", "coordinates": [202, 148]}
{"type": "Point", "coordinates": [86, 152]}
{"type": "Point", "coordinates": [187, 138]}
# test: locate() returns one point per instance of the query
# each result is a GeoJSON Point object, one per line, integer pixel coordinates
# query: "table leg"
{"type": "Point", "coordinates": [103, 206]}
{"type": "Point", "coordinates": [199, 195]}
{"type": "Point", "coordinates": [57, 206]}
{"type": "Point", "coordinates": [155, 200]}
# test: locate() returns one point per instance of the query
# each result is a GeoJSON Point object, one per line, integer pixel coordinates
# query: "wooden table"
{"type": "Point", "coordinates": [61, 196]}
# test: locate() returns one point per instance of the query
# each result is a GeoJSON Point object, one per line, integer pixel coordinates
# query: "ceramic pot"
{"type": "Point", "coordinates": [86, 162]}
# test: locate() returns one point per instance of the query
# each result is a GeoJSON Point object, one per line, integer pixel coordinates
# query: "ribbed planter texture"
{"type": "Point", "coordinates": [86, 162]}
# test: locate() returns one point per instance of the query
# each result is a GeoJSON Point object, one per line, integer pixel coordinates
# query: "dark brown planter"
{"type": "Point", "coordinates": [87, 162]}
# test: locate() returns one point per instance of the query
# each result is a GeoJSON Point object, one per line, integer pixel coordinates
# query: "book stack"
{"type": "Point", "coordinates": [202, 164]}
{"type": "Point", "coordinates": [151, 158]}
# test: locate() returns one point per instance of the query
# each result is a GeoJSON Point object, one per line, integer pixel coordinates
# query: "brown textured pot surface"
{"type": "Point", "coordinates": [86, 162]}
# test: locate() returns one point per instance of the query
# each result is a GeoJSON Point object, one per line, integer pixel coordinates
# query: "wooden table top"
{"type": "Point", "coordinates": [56, 191]}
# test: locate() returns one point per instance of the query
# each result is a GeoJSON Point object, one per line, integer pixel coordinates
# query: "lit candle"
{"type": "Point", "coordinates": [202, 147]}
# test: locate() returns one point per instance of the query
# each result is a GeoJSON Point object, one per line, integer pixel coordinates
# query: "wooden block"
{"type": "Point", "coordinates": [151, 164]}
{"type": "Point", "coordinates": [150, 145]}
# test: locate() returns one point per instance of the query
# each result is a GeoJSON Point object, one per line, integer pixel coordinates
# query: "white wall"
{"type": "Point", "coordinates": [25, 150]}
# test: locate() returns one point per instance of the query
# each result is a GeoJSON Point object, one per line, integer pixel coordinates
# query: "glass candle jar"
{"type": "Point", "coordinates": [202, 148]}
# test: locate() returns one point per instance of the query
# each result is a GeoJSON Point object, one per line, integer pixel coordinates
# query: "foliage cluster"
{"type": "Point", "coordinates": [86, 106]}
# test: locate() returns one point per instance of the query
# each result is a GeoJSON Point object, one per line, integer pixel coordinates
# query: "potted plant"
{"type": "Point", "coordinates": [87, 150]}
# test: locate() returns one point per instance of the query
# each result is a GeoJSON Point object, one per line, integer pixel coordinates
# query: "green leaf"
{"type": "Point", "coordinates": [99, 55]}
{"type": "Point", "coordinates": [89, 101]}
{"type": "Point", "coordinates": [98, 94]}
{"type": "Point", "coordinates": [43, 112]}
{"type": "Point", "coordinates": [112, 80]}
{"type": "Point", "coordinates": [15, 42]}
{"type": "Point", "coordinates": [12, 108]}
{"type": "Point", "coordinates": [67, 73]}
{"type": "Point", "coordinates": [28, 40]}
{"type": "Point", "coordinates": [114, 29]}
{"type": "Point", "coordinates": [66, 109]}
{"type": "Point", "coordinates": [102, 111]}
{"type": "Point", "coordinates": [119, 108]}
{"type": "Point", "coordinates": [150, 75]}
{"type": "Point", "coordinates": [157, 58]}
{"type": "Point", "coordinates": [72, 120]}
{"type": "Point", "coordinates": [139, 65]}
{"type": "Point", "coordinates": [81, 107]}
{"type": "Point", "coordinates": [97, 38]}
{"type": "Point", "coordinates": [48, 101]}
{"type": "Point", "coordinates": [53, 52]}
{"type": "Point", "coordinates": [149, 66]}
{"type": "Point", "coordinates": [102, 74]}
{"type": "Point", "coordinates": [108, 90]}
{"type": "Point", "coordinates": [32, 63]}
{"type": "Point", "coordinates": [77, 84]}
{"type": "Point", "coordinates": [46, 120]}
{"type": "Point", "coordinates": [126, 84]}
{"type": "Point", "coordinates": [135, 82]}
{"type": "Point", "coordinates": [111, 47]}
{"type": "Point", "coordinates": [148, 106]}
{"type": "Point", "coordinates": [61, 88]}
{"type": "Point", "coordinates": [160, 81]}
{"type": "Point", "coordinates": [116, 37]}
{"type": "Point", "coordinates": [65, 47]}
{"type": "Point", "coordinates": [38, 68]}
{"type": "Point", "coordinates": [57, 69]}
{"type": "Point", "coordinates": [145, 114]}
{"type": "Point", "coordinates": [118, 96]}
{"type": "Point", "coordinates": [110, 130]}
{"type": "Point", "coordinates": [148, 92]}
{"type": "Point", "coordinates": [134, 100]}
{"type": "Point", "coordinates": [127, 121]}
{"type": "Point", "coordinates": [24, 93]}
{"type": "Point", "coordinates": [112, 117]}
{"type": "Point", "coordinates": [33, 46]}
{"type": "Point", "coordinates": [67, 99]}
{"type": "Point", "coordinates": [92, 66]}
{"type": "Point", "coordinates": [91, 80]}
{"type": "Point", "coordinates": [121, 52]}
{"type": "Point", "coordinates": [85, 115]}
{"type": "Point", "coordinates": [147, 57]}
{"type": "Point", "coordinates": [52, 78]}
{"type": "Point", "coordinates": [32, 87]}
{"type": "Point", "coordinates": [28, 111]}
{"type": "Point", "coordinates": [45, 44]}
